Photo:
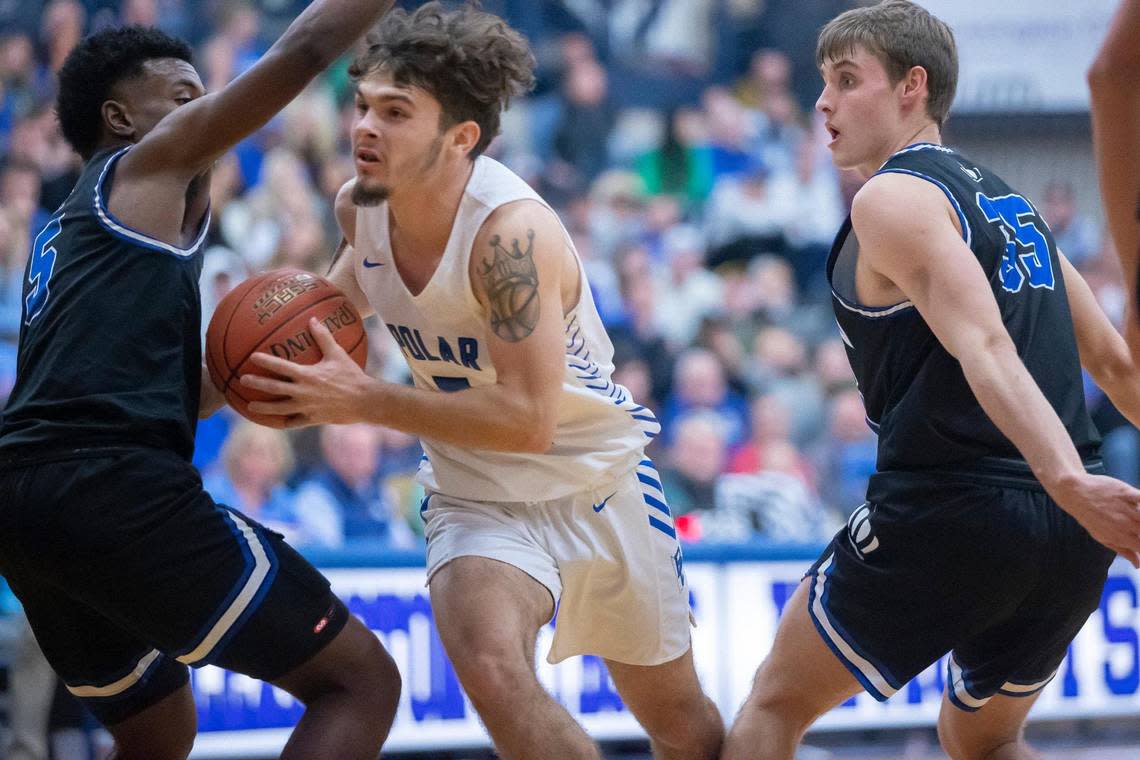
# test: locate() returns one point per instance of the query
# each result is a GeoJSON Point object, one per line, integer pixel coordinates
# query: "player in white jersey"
{"type": "Point", "coordinates": [539, 494]}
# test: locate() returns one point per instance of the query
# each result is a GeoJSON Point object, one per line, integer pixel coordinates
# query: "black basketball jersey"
{"type": "Point", "coordinates": [110, 346]}
{"type": "Point", "coordinates": [915, 392]}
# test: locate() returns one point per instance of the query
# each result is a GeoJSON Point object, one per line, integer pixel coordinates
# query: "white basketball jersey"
{"type": "Point", "coordinates": [444, 332]}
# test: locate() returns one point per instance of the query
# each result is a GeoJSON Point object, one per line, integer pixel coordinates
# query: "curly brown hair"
{"type": "Point", "coordinates": [467, 59]}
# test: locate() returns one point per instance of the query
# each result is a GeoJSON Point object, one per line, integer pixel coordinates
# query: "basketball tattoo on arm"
{"type": "Point", "coordinates": [511, 281]}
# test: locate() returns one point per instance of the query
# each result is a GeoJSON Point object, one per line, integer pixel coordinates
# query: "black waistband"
{"type": "Point", "coordinates": [994, 471]}
{"type": "Point", "coordinates": [24, 456]}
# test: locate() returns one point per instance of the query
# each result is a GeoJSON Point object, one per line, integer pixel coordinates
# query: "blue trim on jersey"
{"type": "Point", "coordinates": [247, 570]}
{"type": "Point", "coordinates": [254, 603]}
{"type": "Point", "coordinates": [130, 690]}
{"type": "Point", "coordinates": [847, 639]}
{"type": "Point", "coordinates": [650, 482]}
{"type": "Point", "coordinates": [650, 435]}
{"type": "Point", "coordinates": [250, 565]}
{"type": "Point", "coordinates": [663, 527]}
{"type": "Point", "coordinates": [959, 703]}
{"type": "Point", "coordinates": [967, 233]}
{"type": "Point", "coordinates": [424, 504]}
{"type": "Point", "coordinates": [644, 417]}
{"type": "Point", "coordinates": [656, 503]}
{"type": "Point", "coordinates": [121, 231]}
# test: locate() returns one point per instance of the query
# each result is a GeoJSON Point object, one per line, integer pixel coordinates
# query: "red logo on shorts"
{"type": "Point", "coordinates": [320, 626]}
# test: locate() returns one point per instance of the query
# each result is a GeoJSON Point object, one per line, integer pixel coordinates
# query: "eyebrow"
{"type": "Point", "coordinates": [388, 96]}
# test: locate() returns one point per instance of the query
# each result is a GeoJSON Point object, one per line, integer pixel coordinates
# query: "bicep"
{"type": "Point", "coordinates": [343, 275]}
{"type": "Point", "coordinates": [1097, 340]}
{"type": "Point", "coordinates": [914, 243]}
{"type": "Point", "coordinates": [516, 275]}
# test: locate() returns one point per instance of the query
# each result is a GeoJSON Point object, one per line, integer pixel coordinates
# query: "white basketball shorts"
{"type": "Point", "coordinates": [609, 557]}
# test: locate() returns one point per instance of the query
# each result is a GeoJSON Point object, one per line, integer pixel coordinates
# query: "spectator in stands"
{"type": "Point", "coordinates": [814, 214]}
{"type": "Point", "coordinates": [345, 499]}
{"type": "Point", "coordinates": [744, 217]}
{"type": "Point", "coordinates": [20, 186]}
{"type": "Point", "coordinates": [770, 448]}
{"type": "Point", "coordinates": [255, 461]}
{"type": "Point", "coordinates": [699, 385]}
{"type": "Point", "coordinates": [846, 455]}
{"type": "Point", "coordinates": [780, 367]}
{"type": "Point", "coordinates": [1077, 235]}
{"type": "Point", "coordinates": [582, 134]}
{"type": "Point", "coordinates": [693, 463]}
{"type": "Point", "coordinates": [63, 24]}
{"type": "Point", "coordinates": [832, 367]}
{"type": "Point", "coordinates": [688, 291]}
{"type": "Point", "coordinates": [682, 164]}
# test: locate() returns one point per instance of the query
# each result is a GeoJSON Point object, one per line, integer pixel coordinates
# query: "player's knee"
{"type": "Point", "coordinates": [688, 730]}
{"type": "Point", "coordinates": [371, 674]}
{"type": "Point", "coordinates": [174, 742]}
{"type": "Point", "coordinates": [959, 744]}
{"type": "Point", "coordinates": [494, 678]}
{"type": "Point", "coordinates": [775, 695]}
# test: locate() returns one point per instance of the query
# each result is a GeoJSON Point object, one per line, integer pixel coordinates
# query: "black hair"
{"type": "Point", "coordinates": [95, 66]}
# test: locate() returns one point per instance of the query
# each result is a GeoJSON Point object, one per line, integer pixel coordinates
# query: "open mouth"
{"type": "Point", "coordinates": [366, 156]}
{"type": "Point", "coordinates": [833, 132]}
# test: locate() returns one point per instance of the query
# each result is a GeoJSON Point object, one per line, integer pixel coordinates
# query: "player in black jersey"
{"type": "Point", "coordinates": [127, 569]}
{"type": "Point", "coordinates": [1116, 140]}
{"type": "Point", "coordinates": [985, 528]}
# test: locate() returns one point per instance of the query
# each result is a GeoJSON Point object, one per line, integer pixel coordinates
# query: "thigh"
{"type": "Point", "coordinates": [114, 673]}
{"type": "Point", "coordinates": [803, 673]}
{"type": "Point", "coordinates": [487, 608]}
{"type": "Point", "coordinates": [671, 687]}
{"type": "Point", "coordinates": [1017, 655]}
{"type": "Point", "coordinates": [625, 596]}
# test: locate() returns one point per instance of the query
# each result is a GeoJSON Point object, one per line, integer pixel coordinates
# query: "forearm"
{"type": "Point", "coordinates": [326, 29]}
{"type": "Point", "coordinates": [1122, 386]}
{"type": "Point", "coordinates": [210, 399]}
{"type": "Point", "coordinates": [487, 417]}
{"type": "Point", "coordinates": [1010, 397]}
{"type": "Point", "coordinates": [1119, 55]}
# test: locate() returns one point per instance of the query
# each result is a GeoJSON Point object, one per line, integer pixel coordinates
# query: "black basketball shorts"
{"type": "Point", "coordinates": [129, 572]}
{"type": "Point", "coordinates": [989, 570]}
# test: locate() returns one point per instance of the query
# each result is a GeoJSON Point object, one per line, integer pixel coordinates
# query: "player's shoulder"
{"type": "Point", "coordinates": [894, 195]}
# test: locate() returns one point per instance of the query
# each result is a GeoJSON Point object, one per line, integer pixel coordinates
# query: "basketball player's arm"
{"type": "Point", "coordinates": [196, 134]}
{"type": "Point", "coordinates": [909, 234]}
{"type": "Point", "coordinates": [342, 272]}
{"type": "Point", "coordinates": [527, 347]}
{"type": "Point", "coordinates": [1116, 143]}
{"type": "Point", "coordinates": [1103, 351]}
{"type": "Point", "coordinates": [210, 399]}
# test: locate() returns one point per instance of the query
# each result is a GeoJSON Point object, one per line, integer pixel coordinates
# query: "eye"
{"type": "Point", "coordinates": [361, 107]}
{"type": "Point", "coordinates": [846, 80]}
{"type": "Point", "coordinates": [396, 113]}
{"type": "Point", "coordinates": [183, 99]}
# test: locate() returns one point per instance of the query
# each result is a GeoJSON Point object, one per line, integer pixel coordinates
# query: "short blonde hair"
{"type": "Point", "coordinates": [900, 35]}
{"type": "Point", "coordinates": [246, 434]}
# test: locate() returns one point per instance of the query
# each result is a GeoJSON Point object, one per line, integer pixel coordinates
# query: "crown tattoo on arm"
{"type": "Point", "coordinates": [511, 281]}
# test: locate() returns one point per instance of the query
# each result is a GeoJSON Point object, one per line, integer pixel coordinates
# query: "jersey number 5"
{"type": "Point", "coordinates": [1026, 249]}
{"type": "Point", "coordinates": [40, 267]}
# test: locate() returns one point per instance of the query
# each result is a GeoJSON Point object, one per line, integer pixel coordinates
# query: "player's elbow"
{"type": "Point", "coordinates": [1113, 69]}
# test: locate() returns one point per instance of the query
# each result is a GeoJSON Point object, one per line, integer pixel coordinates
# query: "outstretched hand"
{"type": "Point", "coordinates": [1109, 510]}
{"type": "Point", "coordinates": [328, 392]}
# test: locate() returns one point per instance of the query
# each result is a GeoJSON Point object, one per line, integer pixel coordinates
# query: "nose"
{"type": "Point", "coordinates": [823, 102]}
{"type": "Point", "coordinates": [366, 124]}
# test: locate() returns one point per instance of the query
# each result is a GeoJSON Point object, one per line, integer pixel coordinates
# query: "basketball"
{"type": "Point", "coordinates": [270, 313]}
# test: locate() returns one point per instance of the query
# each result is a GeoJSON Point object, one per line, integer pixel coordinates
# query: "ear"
{"type": "Point", "coordinates": [118, 120]}
{"type": "Point", "coordinates": [465, 136]}
{"type": "Point", "coordinates": [914, 87]}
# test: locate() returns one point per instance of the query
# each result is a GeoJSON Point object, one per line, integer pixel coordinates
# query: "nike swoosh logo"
{"type": "Point", "coordinates": [600, 507]}
{"type": "Point", "coordinates": [372, 264]}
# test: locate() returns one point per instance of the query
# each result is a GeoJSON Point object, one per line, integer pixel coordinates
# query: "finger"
{"type": "Point", "coordinates": [282, 367]}
{"type": "Point", "coordinates": [1132, 557]}
{"type": "Point", "coordinates": [297, 421]}
{"type": "Point", "coordinates": [283, 408]}
{"type": "Point", "coordinates": [268, 385]}
{"type": "Point", "coordinates": [325, 340]}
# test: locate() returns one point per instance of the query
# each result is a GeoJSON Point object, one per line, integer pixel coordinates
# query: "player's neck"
{"type": "Point", "coordinates": [927, 132]}
{"type": "Point", "coordinates": [423, 214]}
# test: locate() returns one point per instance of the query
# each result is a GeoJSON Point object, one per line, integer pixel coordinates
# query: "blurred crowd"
{"type": "Point", "coordinates": [678, 143]}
